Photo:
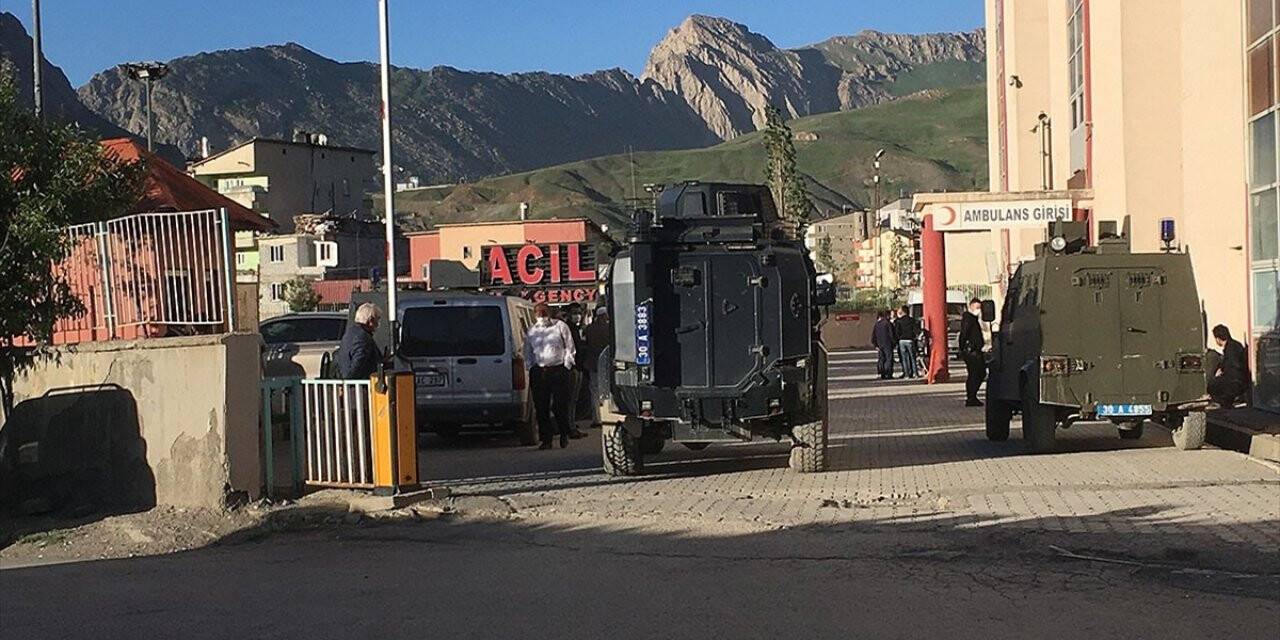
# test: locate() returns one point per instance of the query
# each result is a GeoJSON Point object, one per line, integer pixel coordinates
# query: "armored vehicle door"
{"type": "Point", "coordinates": [720, 315]}
{"type": "Point", "coordinates": [1141, 328]}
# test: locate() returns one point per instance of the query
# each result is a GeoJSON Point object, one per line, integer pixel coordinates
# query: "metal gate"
{"type": "Point", "coordinates": [338, 433]}
{"type": "Point", "coordinates": [330, 428]}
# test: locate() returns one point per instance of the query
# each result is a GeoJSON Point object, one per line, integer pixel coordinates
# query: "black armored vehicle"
{"type": "Point", "coordinates": [1098, 333]}
{"type": "Point", "coordinates": [715, 308]}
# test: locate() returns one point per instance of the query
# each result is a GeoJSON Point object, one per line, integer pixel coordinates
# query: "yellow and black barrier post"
{"type": "Point", "coordinates": [395, 451]}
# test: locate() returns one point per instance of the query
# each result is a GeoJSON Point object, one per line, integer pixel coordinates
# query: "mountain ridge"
{"type": "Point", "coordinates": [709, 84]}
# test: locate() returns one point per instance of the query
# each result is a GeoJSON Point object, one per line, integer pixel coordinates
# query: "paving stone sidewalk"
{"type": "Point", "coordinates": [904, 455]}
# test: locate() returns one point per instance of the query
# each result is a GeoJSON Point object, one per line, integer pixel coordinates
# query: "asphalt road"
{"type": "Point", "coordinates": [922, 530]}
{"type": "Point", "coordinates": [520, 580]}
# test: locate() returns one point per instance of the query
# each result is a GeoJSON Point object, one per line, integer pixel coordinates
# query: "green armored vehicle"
{"type": "Point", "coordinates": [1098, 333]}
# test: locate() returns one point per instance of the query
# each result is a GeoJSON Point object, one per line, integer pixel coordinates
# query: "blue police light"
{"type": "Point", "coordinates": [1167, 233]}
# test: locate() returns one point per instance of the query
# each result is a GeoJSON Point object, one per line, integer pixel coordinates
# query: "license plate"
{"type": "Point", "coordinates": [643, 356]}
{"type": "Point", "coordinates": [431, 379]}
{"type": "Point", "coordinates": [1124, 410]}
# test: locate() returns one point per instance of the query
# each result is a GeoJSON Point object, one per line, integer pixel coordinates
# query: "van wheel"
{"type": "Point", "coordinates": [1189, 435]}
{"type": "Point", "coordinates": [695, 446]}
{"type": "Point", "coordinates": [999, 415]}
{"type": "Point", "coordinates": [1039, 424]}
{"type": "Point", "coordinates": [622, 455]}
{"type": "Point", "coordinates": [1134, 432]}
{"type": "Point", "coordinates": [526, 431]}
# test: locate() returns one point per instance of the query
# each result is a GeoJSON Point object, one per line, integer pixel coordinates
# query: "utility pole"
{"type": "Point", "coordinates": [875, 216]}
{"type": "Point", "coordinates": [148, 72]}
{"type": "Point", "coordinates": [388, 180]}
{"type": "Point", "coordinates": [37, 58]}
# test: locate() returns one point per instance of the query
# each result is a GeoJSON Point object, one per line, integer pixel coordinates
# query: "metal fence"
{"type": "Point", "coordinates": [338, 433]}
{"type": "Point", "coordinates": [149, 274]}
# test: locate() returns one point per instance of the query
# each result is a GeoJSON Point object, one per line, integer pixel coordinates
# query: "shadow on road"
{"type": "Point", "coordinates": [301, 575]}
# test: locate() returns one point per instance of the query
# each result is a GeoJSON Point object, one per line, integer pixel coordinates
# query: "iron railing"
{"type": "Point", "coordinates": [149, 274]}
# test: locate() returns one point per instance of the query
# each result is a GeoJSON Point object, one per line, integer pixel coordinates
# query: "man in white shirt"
{"type": "Point", "coordinates": [549, 354]}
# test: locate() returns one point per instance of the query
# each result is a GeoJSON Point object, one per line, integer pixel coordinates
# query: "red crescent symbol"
{"type": "Point", "coordinates": [951, 217]}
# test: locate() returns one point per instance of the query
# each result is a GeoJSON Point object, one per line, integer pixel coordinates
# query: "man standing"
{"type": "Point", "coordinates": [883, 340]}
{"type": "Point", "coordinates": [1229, 380]}
{"type": "Point", "coordinates": [599, 337]}
{"type": "Point", "coordinates": [549, 355]}
{"type": "Point", "coordinates": [972, 343]}
{"type": "Point", "coordinates": [358, 355]}
{"type": "Point", "coordinates": [907, 329]}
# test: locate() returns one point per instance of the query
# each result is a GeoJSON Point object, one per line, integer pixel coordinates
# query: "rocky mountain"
{"type": "Point", "coordinates": [709, 80]}
{"type": "Point", "coordinates": [450, 125]}
{"type": "Point", "coordinates": [728, 74]}
{"type": "Point", "coordinates": [60, 100]}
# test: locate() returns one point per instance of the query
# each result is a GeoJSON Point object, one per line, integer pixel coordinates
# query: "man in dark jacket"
{"type": "Point", "coordinates": [358, 355]}
{"type": "Point", "coordinates": [972, 343]}
{"type": "Point", "coordinates": [599, 335]}
{"type": "Point", "coordinates": [883, 340]}
{"type": "Point", "coordinates": [907, 330]}
{"type": "Point", "coordinates": [1230, 379]}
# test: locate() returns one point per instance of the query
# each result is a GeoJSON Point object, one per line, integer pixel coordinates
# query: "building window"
{"type": "Point", "coordinates": [242, 258]}
{"type": "Point", "coordinates": [277, 291]}
{"type": "Point", "coordinates": [1261, 49]}
{"type": "Point", "coordinates": [466, 252]}
{"type": "Point", "coordinates": [1076, 88]}
{"type": "Point", "coordinates": [275, 253]}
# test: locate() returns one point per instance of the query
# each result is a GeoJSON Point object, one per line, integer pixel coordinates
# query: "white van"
{"type": "Point", "coordinates": [465, 350]}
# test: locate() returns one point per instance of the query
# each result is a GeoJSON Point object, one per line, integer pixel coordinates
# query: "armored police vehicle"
{"type": "Point", "coordinates": [1098, 333]}
{"type": "Point", "coordinates": [715, 306]}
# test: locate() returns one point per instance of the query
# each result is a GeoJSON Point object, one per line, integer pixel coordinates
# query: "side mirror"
{"type": "Point", "coordinates": [824, 294]}
{"type": "Point", "coordinates": [988, 311]}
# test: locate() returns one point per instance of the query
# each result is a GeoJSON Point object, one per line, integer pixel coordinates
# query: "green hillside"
{"type": "Point", "coordinates": [933, 141]}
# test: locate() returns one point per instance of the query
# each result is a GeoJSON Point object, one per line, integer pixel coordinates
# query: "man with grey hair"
{"type": "Point", "coordinates": [358, 356]}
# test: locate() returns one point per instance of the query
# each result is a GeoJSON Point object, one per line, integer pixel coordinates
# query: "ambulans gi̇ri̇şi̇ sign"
{"type": "Point", "coordinates": [977, 216]}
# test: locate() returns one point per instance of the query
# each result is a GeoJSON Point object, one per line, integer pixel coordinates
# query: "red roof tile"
{"type": "Point", "coordinates": [167, 188]}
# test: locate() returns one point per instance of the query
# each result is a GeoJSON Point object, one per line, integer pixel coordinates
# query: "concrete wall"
{"type": "Point", "coordinates": [848, 334]}
{"type": "Point", "coordinates": [195, 406]}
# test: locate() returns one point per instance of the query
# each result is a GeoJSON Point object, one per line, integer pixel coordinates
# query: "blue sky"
{"type": "Point", "coordinates": [565, 36]}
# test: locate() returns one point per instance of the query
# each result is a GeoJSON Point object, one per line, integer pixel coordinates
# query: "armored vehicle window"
{"type": "Point", "coordinates": [734, 203]}
{"type": "Point", "coordinates": [693, 205]}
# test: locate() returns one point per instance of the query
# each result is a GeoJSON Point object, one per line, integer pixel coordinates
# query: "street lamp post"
{"type": "Point", "coordinates": [148, 72]}
{"type": "Point", "coordinates": [388, 180]}
{"type": "Point", "coordinates": [875, 214]}
{"type": "Point", "coordinates": [37, 58]}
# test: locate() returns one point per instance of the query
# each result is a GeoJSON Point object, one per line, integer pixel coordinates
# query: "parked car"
{"type": "Point", "coordinates": [465, 351]}
{"type": "Point", "coordinates": [956, 304]}
{"type": "Point", "coordinates": [298, 344]}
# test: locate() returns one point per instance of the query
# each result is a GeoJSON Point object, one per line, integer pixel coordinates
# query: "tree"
{"type": "Point", "coordinates": [51, 175]}
{"type": "Point", "coordinates": [825, 262]}
{"type": "Point", "coordinates": [301, 295]}
{"type": "Point", "coordinates": [784, 180]}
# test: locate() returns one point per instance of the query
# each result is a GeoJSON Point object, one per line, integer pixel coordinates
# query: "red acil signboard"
{"type": "Point", "coordinates": [539, 265]}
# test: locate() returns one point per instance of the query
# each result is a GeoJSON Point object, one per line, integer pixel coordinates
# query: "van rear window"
{"type": "Point", "coordinates": [432, 332]}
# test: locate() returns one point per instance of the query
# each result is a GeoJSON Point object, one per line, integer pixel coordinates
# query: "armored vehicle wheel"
{"type": "Point", "coordinates": [1134, 432]}
{"type": "Point", "coordinates": [809, 455]}
{"type": "Point", "coordinates": [695, 446]}
{"type": "Point", "coordinates": [999, 414]}
{"type": "Point", "coordinates": [1189, 435]}
{"type": "Point", "coordinates": [622, 455]}
{"type": "Point", "coordinates": [651, 442]}
{"type": "Point", "coordinates": [1039, 424]}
